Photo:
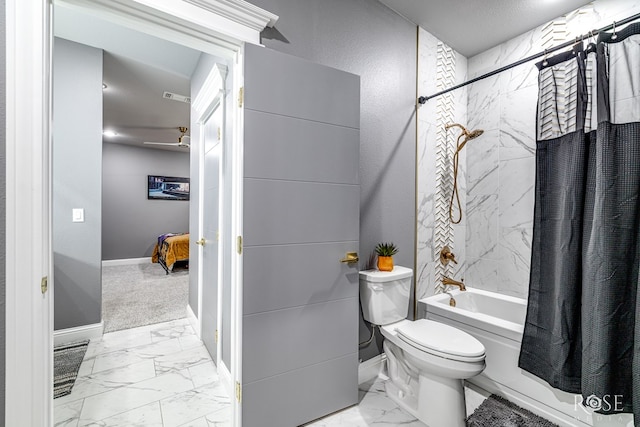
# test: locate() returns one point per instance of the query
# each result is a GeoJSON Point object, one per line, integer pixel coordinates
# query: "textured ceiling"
{"type": "Point", "coordinates": [473, 26]}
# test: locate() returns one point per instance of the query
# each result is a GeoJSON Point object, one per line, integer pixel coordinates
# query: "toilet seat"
{"type": "Point", "coordinates": [441, 340]}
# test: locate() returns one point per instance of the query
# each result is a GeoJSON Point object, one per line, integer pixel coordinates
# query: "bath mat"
{"type": "Point", "coordinates": [66, 363]}
{"type": "Point", "coordinates": [496, 411]}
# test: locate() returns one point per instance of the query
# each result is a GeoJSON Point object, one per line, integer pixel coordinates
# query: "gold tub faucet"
{"type": "Point", "coordinates": [450, 282]}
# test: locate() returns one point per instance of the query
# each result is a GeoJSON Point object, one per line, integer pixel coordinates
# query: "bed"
{"type": "Point", "coordinates": [170, 249]}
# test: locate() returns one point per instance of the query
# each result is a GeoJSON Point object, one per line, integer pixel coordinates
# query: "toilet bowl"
{"type": "Point", "coordinates": [427, 361]}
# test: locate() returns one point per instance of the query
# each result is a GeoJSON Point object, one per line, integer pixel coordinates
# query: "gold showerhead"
{"type": "Point", "coordinates": [475, 133]}
{"type": "Point", "coordinates": [463, 138]}
{"type": "Point", "coordinates": [468, 135]}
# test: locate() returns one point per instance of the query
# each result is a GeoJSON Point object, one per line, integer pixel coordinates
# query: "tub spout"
{"type": "Point", "coordinates": [452, 300]}
{"type": "Point", "coordinates": [450, 282]}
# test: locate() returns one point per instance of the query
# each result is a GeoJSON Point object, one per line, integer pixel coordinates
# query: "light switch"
{"type": "Point", "coordinates": [77, 215]}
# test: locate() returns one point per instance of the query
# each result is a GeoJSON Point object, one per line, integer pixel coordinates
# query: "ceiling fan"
{"type": "Point", "coordinates": [180, 143]}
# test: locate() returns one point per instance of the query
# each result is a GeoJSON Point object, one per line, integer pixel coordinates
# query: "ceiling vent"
{"type": "Point", "coordinates": [176, 97]}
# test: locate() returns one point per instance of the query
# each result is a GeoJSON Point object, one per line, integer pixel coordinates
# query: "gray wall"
{"type": "Point", "coordinates": [2, 205]}
{"type": "Point", "coordinates": [130, 222]}
{"type": "Point", "coordinates": [77, 163]}
{"type": "Point", "coordinates": [366, 38]}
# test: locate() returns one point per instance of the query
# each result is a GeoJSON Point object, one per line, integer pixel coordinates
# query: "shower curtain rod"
{"type": "Point", "coordinates": [424, 99]}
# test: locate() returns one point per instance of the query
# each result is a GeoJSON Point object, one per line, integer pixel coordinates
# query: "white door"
{"type": "Point", "coordinates": [208, 120]}
{"type": "Point", "coordinates": [210, 185]}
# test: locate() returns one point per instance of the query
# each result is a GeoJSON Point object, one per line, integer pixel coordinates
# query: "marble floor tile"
{"type": "Point", "coordinates": [204, 373]}
{"type": "Point", "coordinates": [144, 416]}
{"type": "Point", "coordinates": [136, 354]}
{"type": "Point", "coordinates": [104, 381]}
{"type": "Point", "coordinates": [182, 360]}
{"type": "Point", "coordinates": [162, 376]}
{"type": "Point", "coordinates": [67, 415]}
{"type": "Point", "coordinates": [193, 404]}
{"type": "Point", "coordinates": [221, 418]}
{"type": "Point", "coordinates": [105, 405]}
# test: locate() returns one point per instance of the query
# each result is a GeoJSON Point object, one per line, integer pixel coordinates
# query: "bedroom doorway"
{"type": "Point", "coordinates": [134, 292]}
{"type": "Point", "coordinates": [215, 27]}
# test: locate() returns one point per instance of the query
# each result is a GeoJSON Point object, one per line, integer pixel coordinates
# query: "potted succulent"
{"type": "Point", "coordinates": [385, 252]}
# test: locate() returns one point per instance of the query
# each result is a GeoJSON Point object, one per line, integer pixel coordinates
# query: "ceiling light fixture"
{"type": "Point", "coordinates": [110, 133]}
{"type": "Point", "coordinates": [104, 86]}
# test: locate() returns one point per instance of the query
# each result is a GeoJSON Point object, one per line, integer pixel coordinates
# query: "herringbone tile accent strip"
{"type": "Point", "coordinates": [445, 112]}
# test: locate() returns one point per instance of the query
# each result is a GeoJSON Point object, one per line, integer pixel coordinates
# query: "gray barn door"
{"type": "Point", "coordinates": [301, 215]}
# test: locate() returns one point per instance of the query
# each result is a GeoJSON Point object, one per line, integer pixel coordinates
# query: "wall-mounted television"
{"type": "Point", "coordinates": [167, 188]}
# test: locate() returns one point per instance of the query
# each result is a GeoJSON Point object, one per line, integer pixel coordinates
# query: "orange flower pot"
{"type": "Point", "coordinates": [385, 263]}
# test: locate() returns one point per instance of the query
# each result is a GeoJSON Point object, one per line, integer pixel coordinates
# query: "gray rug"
{"type": "Point", "coordinates": [66, 363]}
{"type": "Point", "coordinates": [138, 295]}
{"type": "Point", "coordinates": [496, 411]}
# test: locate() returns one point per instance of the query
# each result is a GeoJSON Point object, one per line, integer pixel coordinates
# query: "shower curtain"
{"type": "Point", "coordinates": [581, 334]}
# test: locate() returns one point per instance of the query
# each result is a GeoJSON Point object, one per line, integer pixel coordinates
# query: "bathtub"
{"type": "Point", "coordinates": [497, 321]}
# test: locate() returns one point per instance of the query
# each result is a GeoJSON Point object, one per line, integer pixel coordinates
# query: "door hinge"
{"type": "Point", "coordinates": [241, 97]}
{"type": "Point", "coordinates": [219, 134]}
{"type": "Point", "coordinates": [217, 235]}
{"type": "Point", "coordinates": [216, 336]}
{"type": "Point", "coordinates": [238, 392]}
{"type": "Point", "coordinates": [239, 245]}
{"type": "Point", "coordinates": [44, 284]}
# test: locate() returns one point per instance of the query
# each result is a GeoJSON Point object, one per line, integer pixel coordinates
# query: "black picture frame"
{"type": "Point", "coordinates": [161, 187]}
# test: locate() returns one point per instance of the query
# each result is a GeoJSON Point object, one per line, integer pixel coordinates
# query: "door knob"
{"type": "Point", "coordinates": [202, 241]}
{"type": "Point", "coordinates": [350, 258]}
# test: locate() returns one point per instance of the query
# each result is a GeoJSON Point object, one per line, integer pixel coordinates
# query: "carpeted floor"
{"type": "Point", "coordinates": [496, 411]}
{"type": "Point", "coordinates": [138, 295]}
{"type": "Point", "coordinates": [66, 362]}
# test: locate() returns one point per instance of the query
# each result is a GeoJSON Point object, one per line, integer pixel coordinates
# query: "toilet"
{"type": "Point", "coordinates": [427, 361]}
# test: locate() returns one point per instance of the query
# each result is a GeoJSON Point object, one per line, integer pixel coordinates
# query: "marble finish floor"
{"type": "Point", "coordinates": [162, 376]}
{"type": "Point", "coordinates": [156, 375]}
{"type": "Point", "coordinates": [376, 409]}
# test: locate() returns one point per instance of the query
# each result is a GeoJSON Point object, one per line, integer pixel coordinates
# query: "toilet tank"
{"type": "Point", "coordinates": [385, 294]}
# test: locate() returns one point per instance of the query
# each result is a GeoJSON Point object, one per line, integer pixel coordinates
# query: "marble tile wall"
{"type": "Point", "coordinates": [435, 149]}
{"type": "Point", "coordinates": [493, 242]}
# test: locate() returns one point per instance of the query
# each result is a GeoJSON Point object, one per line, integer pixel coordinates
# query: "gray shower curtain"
{"type": "Point", "coordinates": [581, 334]}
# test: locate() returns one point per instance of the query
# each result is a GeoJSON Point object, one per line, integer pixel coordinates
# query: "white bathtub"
{"type": "Point", "coordinates": [498, 322]}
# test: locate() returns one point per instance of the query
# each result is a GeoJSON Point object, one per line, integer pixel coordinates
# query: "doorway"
{"type": "Point", "coordinates": [134, 95]}
{"type": "Point", "coordinates": [214, 28]}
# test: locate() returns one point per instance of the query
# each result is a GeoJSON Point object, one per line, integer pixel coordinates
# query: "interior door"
{"type": "Point", "coordinates": [212, 146]}
{"type": "Point", "coordinates": [207, 115]}
{"type": "Point", "coordinates": [301, 199]}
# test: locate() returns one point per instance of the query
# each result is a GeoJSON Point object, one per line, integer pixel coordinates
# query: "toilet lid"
{"type": "Point", "coordinates": [444, 339]}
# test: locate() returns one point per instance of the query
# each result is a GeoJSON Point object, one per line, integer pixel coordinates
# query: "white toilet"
{"type": "Point", "coordinates": [426, 360]}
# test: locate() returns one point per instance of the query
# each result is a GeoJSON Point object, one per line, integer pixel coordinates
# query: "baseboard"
{"type": "Point", "coordinates": [225, 378]}
{"type": "Point", "coordinates": [80, 333]}
{"type": "Point", "coordinates": [370, 369]}
{"type": "Point", "coordinates": [126, 261]}
{"type": "Point", "coordinates": [193, 321]}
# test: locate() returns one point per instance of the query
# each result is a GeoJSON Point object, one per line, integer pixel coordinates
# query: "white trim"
{"type": "Point", "coordinates": [237, 192]}
{"type": "Point", "coordinates": [204, 104]}
{"type": "Point", "coordinates": [193, 321]}
{"type": "Point", "coordinates": [370, 369]}
{"type": "Point", "coordinates": [179, 21]}
{"type": "Point", "coordinates": [227, 381]}
{"type": "Point", "coordinates": [125, 261]}
{"type": "Point", "coordinates": [239, 11]}
{"type": "Point", "coordinates": [80, 333]}
{"type": "Point", "coordinates": [29, 343]}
